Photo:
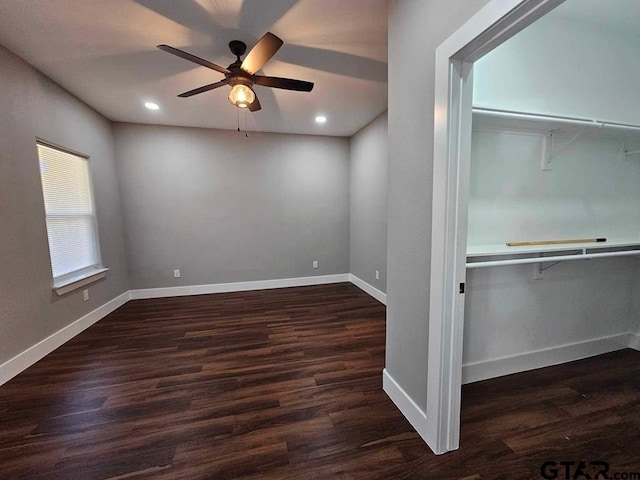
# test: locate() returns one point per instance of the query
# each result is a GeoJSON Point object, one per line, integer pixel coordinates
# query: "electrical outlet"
{"type": "Point", "coordinates": [85, 294]}
{"type": "Point", "coordinates": [176, 273]}
{"type": "Point", "coordinates": [377, 274]}
{"type": "Point", "coordinates": [315, 264]}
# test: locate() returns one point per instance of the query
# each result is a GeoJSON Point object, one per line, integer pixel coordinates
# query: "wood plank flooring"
{"type": "Point", "coordinates": [286, 384]}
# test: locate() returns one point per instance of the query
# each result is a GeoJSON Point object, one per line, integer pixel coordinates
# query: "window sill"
{"type": "Point", "coordinates": [82, 279]}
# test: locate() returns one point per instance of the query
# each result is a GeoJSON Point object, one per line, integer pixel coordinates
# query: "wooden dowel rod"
{"type": "Point", "coordinates": [556, 242]}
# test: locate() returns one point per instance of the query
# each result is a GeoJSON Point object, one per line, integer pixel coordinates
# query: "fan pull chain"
{"type": "Point", "coordinates": [246, 134]}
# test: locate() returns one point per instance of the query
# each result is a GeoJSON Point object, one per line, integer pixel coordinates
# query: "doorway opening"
{"type": "Point", "coordinates": [553, 161]}
{"type": "Point", "coordinates": [498, 21]}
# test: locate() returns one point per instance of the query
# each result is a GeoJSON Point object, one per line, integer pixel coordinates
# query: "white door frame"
{"type": "Point", "coordinates": [495, 23]}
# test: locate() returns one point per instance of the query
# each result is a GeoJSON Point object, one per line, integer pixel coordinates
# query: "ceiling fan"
{"type": "Point", "coordinates": [241, 74]}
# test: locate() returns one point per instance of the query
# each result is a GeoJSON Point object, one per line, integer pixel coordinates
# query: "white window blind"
{"type": "Point", "coordinates": [71, 223]}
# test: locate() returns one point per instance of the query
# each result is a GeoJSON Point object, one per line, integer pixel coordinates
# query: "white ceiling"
{"type": "Point", "coordinates": [104, 52]}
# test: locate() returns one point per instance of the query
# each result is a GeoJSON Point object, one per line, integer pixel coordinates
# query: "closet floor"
{"type": "Point", "coordinates": [287, 384]}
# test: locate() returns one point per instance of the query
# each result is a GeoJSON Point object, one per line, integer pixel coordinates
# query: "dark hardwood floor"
{"type": "Point", "coordinates": [286, 384]}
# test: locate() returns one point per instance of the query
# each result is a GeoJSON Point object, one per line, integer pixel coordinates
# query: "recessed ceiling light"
{"type": "Point", "coordinates": [152, 106]}
{"type": "Point", "coordinates": [321, 119]}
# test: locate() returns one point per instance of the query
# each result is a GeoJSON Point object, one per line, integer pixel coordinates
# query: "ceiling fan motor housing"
{"type": "Point", "coordinates": [239, 76]}
{"type": "Point", "coordinates": [238, 48]}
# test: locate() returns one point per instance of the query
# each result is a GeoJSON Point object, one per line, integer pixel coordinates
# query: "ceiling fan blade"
{"type": "Point", "coordinates": [193, 58]}
{"type": "Point", "coordinates": [284, 83]}
{"type": "Point", "coordinates": [261, 53]}
{"type": "Point", "coordinates": [206, 88]}
{"type": "Point", "coordinates": [255, 106]}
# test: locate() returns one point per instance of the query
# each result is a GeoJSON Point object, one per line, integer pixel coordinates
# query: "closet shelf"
{"type": "Point", "coordinates": [501, 249]}
{"type": "Point", "coordinates": [482, 255]}
{"type": "Point", "coordinates": [506, 120]}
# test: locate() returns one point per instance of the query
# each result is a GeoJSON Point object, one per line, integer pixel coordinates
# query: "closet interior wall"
{"type": "Point", "coordinates": [590, 190]}
{"type": "Point", "coordinates": [515, 317]}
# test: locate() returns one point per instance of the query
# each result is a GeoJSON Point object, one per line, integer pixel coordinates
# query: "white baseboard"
{"type": "Point", "coordinates": [634, 341]}
{"type": "Point", "coordinates": [31, 355]}
{"type": "Point", "coordinates": [238, 286]}
{"type": "Point", "coordinates": [411, 411]}
{"type": "Point", "coordinates": [483, 370]}
{"type": "Point", "coordinates": [364, 286]}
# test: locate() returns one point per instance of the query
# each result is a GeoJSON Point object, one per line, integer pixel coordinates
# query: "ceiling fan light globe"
{"type": "Point", "coordinates": [241, 96]}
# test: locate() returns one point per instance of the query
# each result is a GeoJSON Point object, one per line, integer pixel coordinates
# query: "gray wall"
{"type": "Point", "coordinates": [369, 154]}
{"type": "Point", "coordinates": [416, 28]}
{"type": "Point", "coordinates": [225, 208]}
{"type": "Point", "coordinates": [33, 106]}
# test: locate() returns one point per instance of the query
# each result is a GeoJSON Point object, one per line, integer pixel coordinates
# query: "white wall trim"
{"type": "Point", "coordinates": [497, 21]}
{"type": "Point", "coordinates": [31, 355]}
{"type": "Point", "coordinates": [79, 280]}
{"type": "Point", "coordinates": [367, 288]}
{"type": "Point", "coordinates": [238, 286]}
{"type": "Point", "coordinates": [633, 340]}
{"type": "Point", "coordinates": [497, 367]}
{"type": "Point", "coordinates": [412, 412]}
{"type": "Point", "coordinates": [521, 362]}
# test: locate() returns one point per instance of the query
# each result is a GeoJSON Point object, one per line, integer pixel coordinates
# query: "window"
{"type": "Point", "coordinates": [70, 216]}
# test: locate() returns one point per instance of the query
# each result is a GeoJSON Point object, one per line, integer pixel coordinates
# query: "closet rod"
{"type": "Point", "coordinates": [557, 258]}
{"type": "Point", "coordinates": [554, 118]}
